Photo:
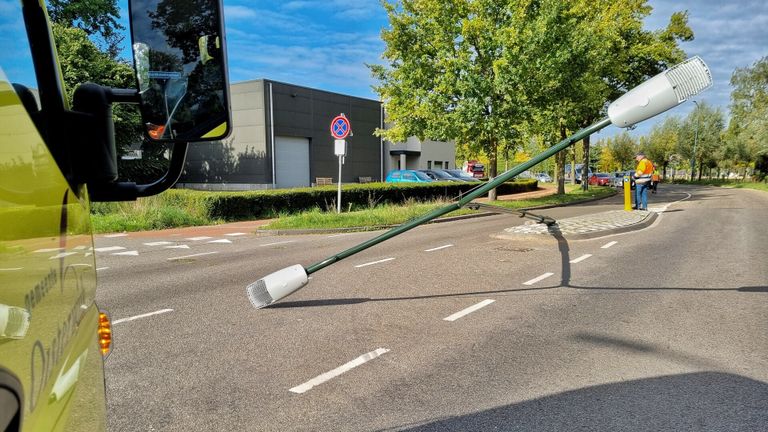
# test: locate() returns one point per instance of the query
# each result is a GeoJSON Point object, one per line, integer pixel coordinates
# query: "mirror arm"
{"type": "Point", "coordinates": [130, 191]}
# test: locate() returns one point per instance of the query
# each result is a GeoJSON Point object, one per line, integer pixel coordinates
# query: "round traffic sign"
{"type": "Point", "coordinates": [340, 127]}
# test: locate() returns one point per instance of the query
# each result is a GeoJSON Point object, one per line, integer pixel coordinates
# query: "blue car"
{"type": "Point", "coordinates": [407, 176]}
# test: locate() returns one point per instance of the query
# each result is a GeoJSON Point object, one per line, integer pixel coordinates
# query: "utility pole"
{"type": "Point", "coordinates": [695, 139]}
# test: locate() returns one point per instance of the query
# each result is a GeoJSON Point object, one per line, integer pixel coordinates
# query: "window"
{"type": "Point", "coordinates": [439, 164]}
{"type": "Point", "coordinates": [409, 176]}
{"type": "Point", "coordinates": [429, 164]}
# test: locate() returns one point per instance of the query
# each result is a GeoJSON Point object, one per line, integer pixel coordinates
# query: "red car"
{"type": "Point", "coordinates": [600, 179]}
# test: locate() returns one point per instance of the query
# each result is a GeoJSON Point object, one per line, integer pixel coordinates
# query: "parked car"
{"type": "Point", "coordinates": [543, 177]}
{"type": "Point", "coordinates": [461, 175]}
{"type": "Point", "coordinates": [600, 179]}
{"type": "Point", "coordinates": [617, 180]}
{"type": "Point", "coordinates": [569, 176]}
{"type": "Point", "coordinates": [440, 175]}
{"type": "Point", "coordinates": [407, 176]}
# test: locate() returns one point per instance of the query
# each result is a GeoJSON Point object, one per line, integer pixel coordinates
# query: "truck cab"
{"type": "Point", "coordinates": [56, 157]}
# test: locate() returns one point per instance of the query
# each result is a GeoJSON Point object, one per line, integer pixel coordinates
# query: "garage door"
{"type": "Point", "coordinates": [292, 162]}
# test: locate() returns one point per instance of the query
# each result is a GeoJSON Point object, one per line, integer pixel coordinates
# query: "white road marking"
{"type": "Point", "coordinates": [220, 241]}
{"type": "Point", "coordinates": [116, 235]}
{"type": "Point", "coordinates": [127, 253]}
{"type": "Point", "coordinates": [438, 248]}
{"type": "Point", "coordinates": [109, 249]}
{"type": "Point", "coordinates": [178, 247]}
{"type": "Point", "coordinates": [468, 310]}
{"type": "Point", "coordinates": [49, 250]}
{"type": "Point", "coordinates": [62, 255]}
{"type": "Point", "coordinates": [77, 248]}
{"type": "Point", "coordinates": [102, 268]}
{"type": "Point", "coordinates": [235, 234]}
{"type": "Point", "coordinates": [374, 262]}
{"type": "Point", "coordinates": [607, 245]}
{"type": "Point", "coordinates": [158, 243]}
{"type": "Point", "coordinates": [338, 371]}
{"type": "Point", "coordinates": [122, 320]}
{"type": "Point", "coordinates": [191, 256]}
{"type": "Point", "coordinates": [12, 269]}
{"type": "Point", "coordinates": [279, 243]}
{"type": "Point", "coordinates": [199, 238]}
{"type": "Point", "coordinates": [338, 235]}
{"type": "Point", "coordinates": [538, 279]}
{"type": "Point", "coordinates": [580, 259]}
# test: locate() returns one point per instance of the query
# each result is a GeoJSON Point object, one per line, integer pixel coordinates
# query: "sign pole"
{"type": "Point", "coordinates": [340, 128]}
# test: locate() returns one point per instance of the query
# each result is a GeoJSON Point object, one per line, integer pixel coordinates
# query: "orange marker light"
{"type": "Point", "coordinates": [155, 131]}
{"type": "Point", "coordinates": [104, 334]}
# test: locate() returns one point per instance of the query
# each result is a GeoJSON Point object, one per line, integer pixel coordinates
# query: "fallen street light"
{"type": "Point", "coordinates": [656, 95]}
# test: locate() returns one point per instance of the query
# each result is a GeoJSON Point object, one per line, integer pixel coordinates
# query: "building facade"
{"type": "Point", "coordinates": [281, 139]}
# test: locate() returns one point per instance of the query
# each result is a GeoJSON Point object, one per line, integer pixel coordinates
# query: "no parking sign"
{"type": "Point", "coordinates": [340, 127]}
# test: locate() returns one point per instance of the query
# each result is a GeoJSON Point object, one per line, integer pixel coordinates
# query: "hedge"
{"type": "Point", "coordinates": [259, 204]}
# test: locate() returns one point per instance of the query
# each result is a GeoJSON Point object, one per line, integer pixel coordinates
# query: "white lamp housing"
{"type": "Point", "coordinates": [660, 93]}
{"type": "Point", "coordinates": [277, 285]}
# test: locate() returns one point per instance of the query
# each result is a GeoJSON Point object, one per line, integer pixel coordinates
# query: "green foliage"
{"type": "Point", "coordinates": [95, 17]}
{"type": "Point", "coordinates": [747, 134]}
{"type": "Point", "coordinates": [185, 207]}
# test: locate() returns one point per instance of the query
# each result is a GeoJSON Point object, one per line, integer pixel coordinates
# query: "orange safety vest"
{"type": "Point", "coordinates": [643, 171]}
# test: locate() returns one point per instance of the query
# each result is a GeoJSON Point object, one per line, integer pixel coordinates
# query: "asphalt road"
{"type": "Point", "coordinates": [448, 328]}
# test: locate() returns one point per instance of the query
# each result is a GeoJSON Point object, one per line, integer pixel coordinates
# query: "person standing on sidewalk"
{"type": "Point", "coordinates": [643, 174]}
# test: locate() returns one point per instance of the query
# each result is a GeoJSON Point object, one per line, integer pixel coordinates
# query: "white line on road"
{"type": "Point", "coordinates": [374, 262]}
{"type": "Point", "coordinates": [191, 256]}
{"type": "Point", "coordinates": [109, 249]}
{"type": "Point", "coordinates": [116, 235]}
{"type": "Point", "coordinates": [127, 253]}
{"type": "Point", "coordinates": [607, 245]}
{"type": "Point", "coordinates": [178, 247]}
{"type": "Point", "coordinates": [227, 241]}
{"type": "Point", "coordinates": [158, 243]}
{"type": "Point", "coordinates": [235, 234]}
{"type": "Point", "coordinates": [101, 268]}
{"type": "Point", "coordinates": [199, 238]}
{"type": "Point", "coordinates": [580, 259]}
{"type": "Point", "coordinates": [122, 320]}
{"type": "Point", "coordinates": [338, 235]}
{"type": "Point", "coordinates": [278, 243]}
{"type": "Point", "coordinates": [468, 310]}
{"type": "Point", "coordinates": [538, 279]}
{"type": "Point", "coordinates": [48, 250]}
{"type": "Point", "coordinates": [62, 255]}
{"type": "Point", "coordinates": [438, 248]}
{"type": "Point", "coordinates": [11, 269]}
{"type": "Point", "coordinates": [338, 371]}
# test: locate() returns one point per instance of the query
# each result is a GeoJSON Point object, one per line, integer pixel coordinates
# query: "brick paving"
{"type": "Point", "coordinates": [586, 226]}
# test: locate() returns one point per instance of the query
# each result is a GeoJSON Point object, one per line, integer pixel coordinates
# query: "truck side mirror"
{"type": "Point", "coordinates": [181, 69]}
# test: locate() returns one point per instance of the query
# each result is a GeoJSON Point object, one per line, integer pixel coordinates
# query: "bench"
{"type": "Point", "coordinates": [323, 181]}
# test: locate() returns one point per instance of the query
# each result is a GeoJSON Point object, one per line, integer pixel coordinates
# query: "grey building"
{"type": "Point", "coordinates": [281, 138]}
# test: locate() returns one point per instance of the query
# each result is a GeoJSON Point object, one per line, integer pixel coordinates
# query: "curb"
{"type": "Point", "coordinates": [278, 232]}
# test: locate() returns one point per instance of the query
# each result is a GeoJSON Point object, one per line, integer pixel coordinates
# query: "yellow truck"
{"type": "Point", "coordinates": [55, 159]}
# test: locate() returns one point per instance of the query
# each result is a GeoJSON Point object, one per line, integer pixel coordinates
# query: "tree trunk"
{"type": "Point", "coordinates": [492, 162]}
{"type": "Point", "coordinates": [585, 167]}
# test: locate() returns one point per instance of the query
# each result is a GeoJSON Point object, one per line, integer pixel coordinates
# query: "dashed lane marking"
{"type": "Point", "coordinates": [116, 235]}
{"type": "Point", "coordinates": [538, 279]}
{"type": "Point", "coordinates": [127, 253]}
{"type": "Point", "coordinates": [101, 268]}
{"type": "Point", "coordinates": [178, 247]}
{"type": "Point", "coordinates": [438, 248]}
{"type": "Point", "coordinates": [580, 259]}
{"type": "Point", "coordinates": [191, 256]}
{"type": "Point", "coordinates": [158, 243]}
{"type": "Point", "coordinates": [62, 255]}
{"type": "Point", "coordinates": [607, 245]}
{"type": "Point", "coordinates": [299, 389]}
{"type": "Point", "coordinates": [235, 234]}
{"type": "Point", "coordinates": [199, 238]}
{"type": "Point", "coordinates": [278, 243]}
{"type": "Point", "coordinates": [122, 320]}
{"type": "Point", "coordinates": [221, 241]}
{"type": "Point", "coordinates": [109, 249]}
{"type": "Point", "coordinates": [374, 262]}
{"type": "Point", "coordinates": [468, 310]}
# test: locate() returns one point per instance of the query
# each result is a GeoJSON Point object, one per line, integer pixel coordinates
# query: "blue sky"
{"type": "Point", "coordinates": [326, 44]}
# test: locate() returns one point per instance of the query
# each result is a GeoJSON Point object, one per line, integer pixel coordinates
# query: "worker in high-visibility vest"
{"type": "Point", "coordinates": [655, 179]}
{"type": "Point", "coordinates": [643, 174]}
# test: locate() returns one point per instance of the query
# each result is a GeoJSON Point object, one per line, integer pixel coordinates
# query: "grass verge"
{"type": "Point", "coordinates": [386, 215]}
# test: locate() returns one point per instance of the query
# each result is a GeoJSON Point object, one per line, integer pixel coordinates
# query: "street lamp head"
{"type": "Point", "coordinates": [660, 93]}
{"type": "Point", "coordinates": [277, 285]}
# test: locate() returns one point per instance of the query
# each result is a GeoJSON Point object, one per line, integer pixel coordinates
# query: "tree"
{"type": "Point", "coordinates": [95, 17]}
{"type": "Point", "coordinates": [747, 133]}
{"type": "Point", "coordinates": [662, 143]}
{"type": "Point", "coordinates": [704, 126]}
